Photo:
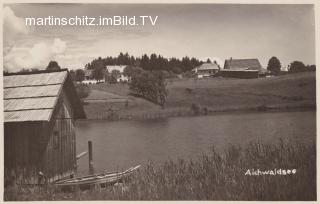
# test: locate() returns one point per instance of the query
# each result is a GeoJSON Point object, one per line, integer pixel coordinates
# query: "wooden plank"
{"type": "Point", "coordinates": [67, 145]}
{"type": "Point", "coordinates": [53, 150]}
{"type": "Point", "coordinates": [81, 154]}
{"type": "Point", "coordinates": [48, 159]}
{"type": "Point", "coordinates": [57, 153]}
{"type": "Point", "coordinates": [60, 156]}
{"type": "Point", "coordinates": [63, 137]}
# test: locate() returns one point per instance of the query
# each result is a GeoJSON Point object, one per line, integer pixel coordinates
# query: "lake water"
{"type": "Point", "coordinates": [121, 144]}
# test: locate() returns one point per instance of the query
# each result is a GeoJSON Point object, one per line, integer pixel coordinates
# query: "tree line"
{"type": "Point", "coordinates": [151, 62]}
{"type": "Point", "coordinates": [274, 66]}
{"type": "Point", "coordinates": [155, 62]}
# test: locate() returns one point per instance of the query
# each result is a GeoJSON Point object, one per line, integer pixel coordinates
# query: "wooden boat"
{"type": "Point", "coordinates": [104, 178]}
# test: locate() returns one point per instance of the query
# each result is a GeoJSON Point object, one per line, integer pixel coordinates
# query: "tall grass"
{"type": "Point", "coordinates": [212, 177]}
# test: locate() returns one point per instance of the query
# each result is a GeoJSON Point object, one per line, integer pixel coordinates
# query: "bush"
{"type": "Point", "coordinates": [83, 91]}
{"type": "Point", "coordinates": [297, 66]}
{"type": "Point", "coordinates": [150, 85]}
{"type": "Point", "coordinates": [188, 74]}
{"type": "Point", "coordinates": [274, 65]}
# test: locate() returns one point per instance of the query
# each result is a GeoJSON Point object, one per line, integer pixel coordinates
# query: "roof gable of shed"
{"type": "Point", "coordinates": [33, 97]}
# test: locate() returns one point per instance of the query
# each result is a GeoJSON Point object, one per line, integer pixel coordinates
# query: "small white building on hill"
{"type": "Point", "coordinates": [206, 70]}
{"type": "Point", "coordinates": [120, 68]}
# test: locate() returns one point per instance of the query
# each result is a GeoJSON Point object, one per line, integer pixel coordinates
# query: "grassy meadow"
{"type": "Point", "coordinates": [292, 91]}
{"type": "Point", "coordinates": [212, 177]}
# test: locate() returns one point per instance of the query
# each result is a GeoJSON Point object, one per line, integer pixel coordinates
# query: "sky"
{"type": "Point", "coordinates": [215, 31]}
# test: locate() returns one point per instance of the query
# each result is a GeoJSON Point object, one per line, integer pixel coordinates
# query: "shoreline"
{"type": "Point", "coordinates": [209, 112]}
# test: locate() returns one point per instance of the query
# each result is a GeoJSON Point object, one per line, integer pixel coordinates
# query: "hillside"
{"type": "Point", "coordinates": [213, 94]}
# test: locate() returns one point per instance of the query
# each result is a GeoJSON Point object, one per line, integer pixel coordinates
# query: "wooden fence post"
{"type": "Point", "coordinates": [91, 170]}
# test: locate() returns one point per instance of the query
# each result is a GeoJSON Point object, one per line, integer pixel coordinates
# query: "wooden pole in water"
{"type": "Point", "coordinates": [91, 170]}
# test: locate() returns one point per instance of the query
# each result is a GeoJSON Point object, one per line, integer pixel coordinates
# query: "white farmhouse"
{"type": "Point", "coordinates": [120, 68]}
{"type": "Point", "coordinates": [206, 70]}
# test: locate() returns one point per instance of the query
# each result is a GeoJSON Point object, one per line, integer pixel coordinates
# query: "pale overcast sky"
{"type": "Point", "coordinates": [216, 31]}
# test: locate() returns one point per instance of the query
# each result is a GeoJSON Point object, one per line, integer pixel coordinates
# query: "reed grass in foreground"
{"type": "Point", "coordinates": [212, 177]}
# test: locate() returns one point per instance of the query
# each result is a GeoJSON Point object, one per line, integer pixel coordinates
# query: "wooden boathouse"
{"type": "Point", "coordinates": [40, 109]}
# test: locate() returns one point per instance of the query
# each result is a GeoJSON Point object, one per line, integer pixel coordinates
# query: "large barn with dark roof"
{"type": "Point", "coordinates": [241, 68]}
{"type": "Point", "coordinates": [39, 133]}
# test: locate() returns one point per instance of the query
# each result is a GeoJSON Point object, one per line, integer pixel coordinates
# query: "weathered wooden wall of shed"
{"type": "Point", "coordinates": [60, 154]}
{"type": "Point", "coordinates": [23, 145]}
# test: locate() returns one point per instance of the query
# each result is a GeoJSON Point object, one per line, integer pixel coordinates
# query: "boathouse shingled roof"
{"type": "Point", "coordinates": [33, 96]}
{"type": "Point", "coordinates": [242, 64]}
